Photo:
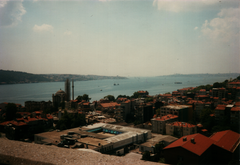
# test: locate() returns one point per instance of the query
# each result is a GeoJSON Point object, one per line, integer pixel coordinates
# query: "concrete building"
{"type": "Point", "coordinates": [159, 123]}
{"type": "Point", "coordinates": [150, 143]}
{"type": "Point", "coordinates": [184, 112]}
{"type": "Point", "coordinates": [220, 148]}
{"type": "Point", "coordinates": [144, 112]}
{"type": "Point", "coordinates": [37, 105]}
{"type": "Point", "coordinates": [99, 137]}
{"type": "Point", "coordinates": [58, 97]}
{"type": "Point", "coordinates": [180, 129]}
{"type": "Point", "coordinates": [235, 115]}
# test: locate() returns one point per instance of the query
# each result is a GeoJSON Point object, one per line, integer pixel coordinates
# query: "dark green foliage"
{"type": "Point", "coordinates": [130, 118]}
{"type": "Point", "coordinates": [146, 155]}
{"type": "Point", "coordinates": [123, 96]}
{"type": "Point", "coordinates": [162, 160]}
{"type": "Point", "coordinates": [158, 111]}
{"type": "Point", "coordinates": [149, 99]}
{"type": "Point", "coordinates": [110, 97]}
{"type": "Point", "coordinates": [158, 147]}
{"type": "Point", "coordinates": [62, 105]}
{"type": "Point", "coordinates": [206, 120]}
{"type": "Point", "coordinates": [11, 110]}
{"type": "Point", "coordinates": [12, 77]}
{"type": "Point", "coordinates": [70, 121]}
{"type": "Point", "coordinates": [84, 97]}
{"type": "Point", "coordinates": [15, 77]}
{"type": "Point", "coordinates": [136, 95]}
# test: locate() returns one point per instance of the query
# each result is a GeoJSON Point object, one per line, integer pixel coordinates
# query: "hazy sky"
{"type": "Point", "coordinates": [125, 38]}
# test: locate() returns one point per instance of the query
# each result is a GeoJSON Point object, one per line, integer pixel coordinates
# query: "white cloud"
{"type": "Point", "coordinates": [67, 33]}
{"type": "Point", "coordinates": [43, 28]}
{"type": "Point", "coordinates": [182, 5]}
{"type": "Point", "coordinates": [225, 27]}
{"type": "Point", "coordinates": [11, 12]}
{"type": "Point", "coordinates": [195, 28]}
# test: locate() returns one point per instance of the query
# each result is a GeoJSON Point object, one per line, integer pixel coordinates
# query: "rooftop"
{"type": "Point", "coordinates": [199, 146]}
{"type": "Point", "coordinates": [167, 117]}
{"type": "Point", "coordinates": [227, 140]}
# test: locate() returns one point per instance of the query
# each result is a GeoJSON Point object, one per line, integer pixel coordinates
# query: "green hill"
{"type": "Point", "coordinates": [16, 77]}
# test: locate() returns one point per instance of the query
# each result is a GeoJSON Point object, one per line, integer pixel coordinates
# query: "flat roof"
{"type": "Point", "coordinates": [153, 141]}
{"type": "Point", "coordinates": [93, 141]}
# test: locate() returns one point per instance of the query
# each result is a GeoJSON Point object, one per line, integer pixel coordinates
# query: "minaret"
{"type": "Point", "coordinates": [72, 90]}
{"type": "Point", "coordinates": [67, 90]}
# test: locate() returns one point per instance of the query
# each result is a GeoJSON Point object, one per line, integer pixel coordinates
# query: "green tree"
{"type": "Point", "coordinates": [158, 111]}
{"type": "Point", "coordinates": [206, 120]}
{"type": "Point", "coordinates": [146, 155]}
{"type": "Point", "coordinates": [110, 97]}
{"type": "Point", "coordinates": [84, 97]}
{"type": "Point", "coordinates": [136, 95]}
{"type": "Point", "coordinates": [123, 96]}
{"type": "Point", "coordinates": [11, 110]}
{"type": "Point", "coordinates": [149, 99]}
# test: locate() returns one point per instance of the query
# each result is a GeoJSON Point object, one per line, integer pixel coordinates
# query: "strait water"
{"type": "Point", "coordinates": [19, 93]}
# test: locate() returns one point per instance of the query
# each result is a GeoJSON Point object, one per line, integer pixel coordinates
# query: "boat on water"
{"type": "Point", "coordinates": [178, 83]}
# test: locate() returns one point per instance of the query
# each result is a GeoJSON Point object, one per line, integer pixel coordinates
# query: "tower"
{"type": "Point", "coordinates": [67, 90]}
{"type": "Point", "coordinates": [72, 90]}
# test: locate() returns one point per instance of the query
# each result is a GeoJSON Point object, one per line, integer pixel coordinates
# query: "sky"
{"type": "Point", "coordinates": [126, 38]}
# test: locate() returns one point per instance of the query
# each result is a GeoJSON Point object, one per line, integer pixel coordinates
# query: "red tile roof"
{"type": "Point", "coordinates": [182, 124]}
{"type": "Point", "coordinates": [200, 145]}
{"type": "Point", "coordinates": [235, 109]}
{"type": "Point", "coordinates": [220, 107]}
{"type": "Point", "coordinates": [112, 104]}
{"type": "Point", "coordinates": [227, 140]}
{"type": "Point", "coordinates": [167, 117]}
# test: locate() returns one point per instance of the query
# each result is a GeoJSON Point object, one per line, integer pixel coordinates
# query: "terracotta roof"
{"type": "Point", "coordinates": [204, 130]}
{"type": "Point", "coordinates": [182, 124]}
{"type": "Point", "coordinates": [112, 104]}
{"type": "Point", "coordinates": [167, 117]}
{"type": "Point", "coordinates": [237, 103]}
{"type": "Point", "coordinates": [227, 140]}
{"type": "Point", "coordinates": [200, 145]}
{"type": "Point", "coordinates": [235, 109]}
{"type": "Point", "coordinates": [234, 83]}
{"type": "Point", "coordinates": [220, 107]}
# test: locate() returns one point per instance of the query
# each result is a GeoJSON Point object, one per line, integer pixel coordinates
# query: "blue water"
{"type": "Point", "coordinates": [19, 93]}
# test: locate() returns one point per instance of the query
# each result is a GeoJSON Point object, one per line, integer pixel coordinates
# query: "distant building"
{"type": "Point", "coordinates": [99, 137]}
{"type": "Point", "coordinates": [180, 129]}
{"type": "Point", "coordinates": [37, 105]}
{"type": "Point", "coordinates": [150, 143]}
{"type": "Point", "coordinates": [58, 97]}
{"type": "Point", "coordinates": [184, 112]}
{"type": "Point", "coordinates": [159, 123]}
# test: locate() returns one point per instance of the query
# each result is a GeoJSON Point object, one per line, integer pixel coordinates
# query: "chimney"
{"type": "Point", "coordinates": [184, 139]}
{"type": "Point", "coordinates": [193, 140]}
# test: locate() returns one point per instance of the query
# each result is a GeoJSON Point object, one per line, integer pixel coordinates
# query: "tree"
{"type": "Point", "coordinates": [84, 97]}
{"type": "Point", "coordinates": [123, 96]}
{"type": "Point", "coordinates": [149, 99]}
{"type": "Point", "coordinates": [146, 155]}
{"type": "Point", "coordinates": [11, 110]}
{"type": "Point", "coordinates": [206, 120]}
{"type": "Point", "coordinates": [110, 97]}
{"type": "Point", "coordinates": [136, 95]}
